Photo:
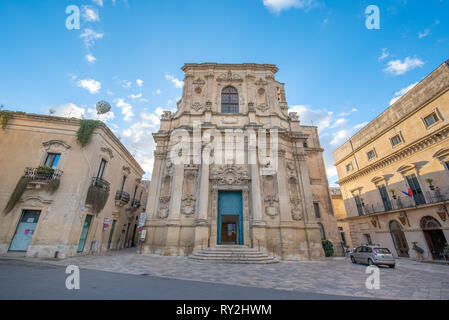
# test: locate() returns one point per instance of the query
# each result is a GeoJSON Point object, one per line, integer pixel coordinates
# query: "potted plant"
{"type": "Point", "coordinates": [393, 194]}
{"type": "Point", "coordinates": [419, 251]}
{"type": "Point", "coordinates": [363, 201]}
{"type": "Point", "coordinates": [431, 186]}
{"type": "Point", "coordinates": [44, 172]}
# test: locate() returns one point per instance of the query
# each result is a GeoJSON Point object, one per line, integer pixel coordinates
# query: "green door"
{"type": "Point", "coordinates": [84, 233]}
{"type": "Point", "coordinates": [230, 218]}
{"type": "Point", "coordinates": [111, 234]}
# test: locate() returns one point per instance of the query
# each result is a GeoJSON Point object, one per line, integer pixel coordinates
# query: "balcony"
{"type": "Point", "coordinates": [404, 202]}
{"type": "Point", "coordinates": [43, 177]}
{"type": "Point", "coordinates": [98, 194]}
{"type": "Point", "coordinates": [121, 198]}
{"type": "Point", "coordinates": [135, 204]}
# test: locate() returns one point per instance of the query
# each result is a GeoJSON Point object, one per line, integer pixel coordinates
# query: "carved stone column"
{"type": "Point", "coordinates": [284, 205]}
{"type": "Point", "coordinates": [204, 194]}
{"type": "Point", "coordinates": [256, 190]}
{"type": "Point", "coordinates": [176, 193]}
{"type": "Point", "coordinates": [153, 198]}
{"type": "Point", "coordinates": [305, 187]}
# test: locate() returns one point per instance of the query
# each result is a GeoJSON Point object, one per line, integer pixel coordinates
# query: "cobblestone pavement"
{"type": "Point", "coordinates": [338, 276]}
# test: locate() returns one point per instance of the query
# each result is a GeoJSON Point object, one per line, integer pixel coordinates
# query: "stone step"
{"type": "Point", "coordinates": [233, 254]}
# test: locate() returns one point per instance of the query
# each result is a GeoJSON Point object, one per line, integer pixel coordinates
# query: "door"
{"type": "Point", "coordinates": [435, 240]}
{"type": "Point", "coordinates": [399, 239]}
{"type": "Point", "coordinates": [416, 189]}
{"type": "Point", "coordinates": [25, 231]}
{"type": "Point", "coordinates": [133, 240]}
{"type": "Point", "coordinates": [84, 233]}
{"type": "Point", "coordinates": [230, 218]}
{"type": "Point", "coordinates": [385, 199]}
{"type": "Point", "coordinates": [111, 233]}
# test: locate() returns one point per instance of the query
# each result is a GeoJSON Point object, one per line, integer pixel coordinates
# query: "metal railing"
{"type": "Point", "coordinates": [135, 204]}
{"type": "Point", "coordinates": [122, 196]}
{"type": "Point", "coordinates": [100, 183]}
{"type": "Point", "coordinates": [404, 202]}
{"type": "Point", "coordinates": [39, 174]}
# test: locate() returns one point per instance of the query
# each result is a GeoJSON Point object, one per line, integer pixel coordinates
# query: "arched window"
{"type": "Point", "coordinates": [322, 233]}
{"type": "Point", "coordinates": [430, 223]}
{"type": "Point", "coordinates": [394, 225]}
{"type": "Point", "coordinates": [229, 100]}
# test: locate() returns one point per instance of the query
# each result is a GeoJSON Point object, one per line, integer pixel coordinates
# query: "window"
{"type": "Point", "coordinates": [371, 154]}
{"type": "Point", "coordinates": [102, 168]}
{"type": "Point", "coordinates": [135, 192]}
{"type": "Point", "coordinates": [447, 164]}
{"type": "Point", "coordinates": [349, 167]}
{"type": "Point", "coordinates": [431, 119]}
{"type": "Point", "coordinates": [322, 233]}
{"type": "Point", "coordinates": [123, 184]}
{"type": "Point", "coordinates": [358, 203]}
{"type": "Point", "coordinates": [52, 160]}
{"type": "Point", "coordinates": [316, 207]}
{"type": "Point", "coordinates": [229, 100]}
{"type": "Point", "coordinates": [396, 140]}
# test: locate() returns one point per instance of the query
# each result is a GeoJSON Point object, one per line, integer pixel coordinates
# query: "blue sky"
{"type": "Point", "coordinates": [339, 75]}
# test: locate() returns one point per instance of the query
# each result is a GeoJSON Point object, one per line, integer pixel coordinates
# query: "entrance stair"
{"type": "Point", "coordinates": [233, 254]}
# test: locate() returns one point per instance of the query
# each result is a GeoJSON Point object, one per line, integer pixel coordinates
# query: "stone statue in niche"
{"type": "Point", "coordinates": [271, 200]}
{"type": "Point", "coordinates": [164, 207]}
{"type": "Point", "coordinates": [189, 189]}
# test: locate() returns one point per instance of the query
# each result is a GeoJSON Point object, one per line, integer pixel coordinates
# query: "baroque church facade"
{"type": "Point", "coordinates": [272, 195]}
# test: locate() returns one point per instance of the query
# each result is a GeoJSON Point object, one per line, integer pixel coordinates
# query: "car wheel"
{"type": "Point", "coordinates": [353, 260]}
{"type": "Point", "coordinates": [370, 262]}
{"type": "Point", "coordinates": [392, 266]}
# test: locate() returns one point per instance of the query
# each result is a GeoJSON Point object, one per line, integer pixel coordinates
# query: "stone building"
{"type": "Point", "coordinates": [394, 173]}
{"type": "Point", "coordinates": [59, 188]}
{"type": "Point", "coordinates": [340, 213]}
{"type": "Point", "coordinates": [230, 188]}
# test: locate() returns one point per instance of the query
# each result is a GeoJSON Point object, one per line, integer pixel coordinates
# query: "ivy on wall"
{"type": "Point", "coordinates": [97, 198]}
{"type": "Point", "coordinates": [5, 116]}
{"type": "Point", "coordinates": [328, 248]}
{"type": "Point", "coordinates": [17, 193]}
{"type": "Point", "coordinates": [85, 131]}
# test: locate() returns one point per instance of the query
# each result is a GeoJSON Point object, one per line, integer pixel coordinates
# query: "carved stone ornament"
{"type": "Point", "coordinates": [261, 82]}
{"type": "Point", "coordinates": [169, 168]}
{"type": "Point", "coordinates": [164, 207]}
{"type": "Point", "coordinates": [108, 151]}
{"type": "Point", "coordinates": [127, 169]}
{"type": "Point", "coordinates": [188, 204]}
{"type": "Point", "coordinates": [229, 77]}
{"type": "Point", "coordinates": [166, 115]}
{"type": "Point", "coordinates": [199, 81]}
{"type": "Point", "coordinates": [271, 206]}
{"type": "Point", "coordinates": [61, 143]}
{"type": "Point", "coordinates": [196, 106]}
{"type": "Point", "coordinates": [293, 116]}
{"type": "Point", "coordinates": [263, 107]}
{"type": "Point", "coordinates": [229, 175]}
{"type": "Point", "coordinates": [296, 211]}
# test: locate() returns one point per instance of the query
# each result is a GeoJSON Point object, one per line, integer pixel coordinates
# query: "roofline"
{"type": "Point", "coordinates": [242, 66]}
{"type": "Point", "coordinates": [76, 122]}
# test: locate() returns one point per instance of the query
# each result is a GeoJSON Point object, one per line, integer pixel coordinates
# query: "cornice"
{"type": "Point", "coordinates": [406, 151]}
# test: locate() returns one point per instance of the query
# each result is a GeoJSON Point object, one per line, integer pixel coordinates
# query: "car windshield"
{"type": "Point", "coordinates": [382, 250]}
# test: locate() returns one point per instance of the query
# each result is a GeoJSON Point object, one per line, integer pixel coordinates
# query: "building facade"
{"type": "Point", "coordinates": [250, 174]}
{"type": "Point", "coordinates": [394, 173]}
{"type": "Point", "coordinates": [59, 199]}
{"type": "Point", "coordinates": [340, 213]}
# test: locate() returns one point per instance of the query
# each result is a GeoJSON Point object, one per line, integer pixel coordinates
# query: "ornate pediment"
{"type": "Point", "coordinates": [230, 175]}
{"type": "Point", "coordinates": [58, 143]}
{"type": "Point", "coordinates": [229, 77]}
{"type": "Point", "coordinates": [442, 153]}
{"type": "Point", "coordinates": [108, 151]}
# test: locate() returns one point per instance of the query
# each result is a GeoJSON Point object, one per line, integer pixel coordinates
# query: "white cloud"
{"type": "Point", "coordinates": [384, 54]}
{"type": "Point", "coordinates": [127, 109]}
{"type": "Point", "coordinates": [90, 85]}
{"type": "Point", "coordinates": [402, 92]}
{"type": "Point", "coordinates": [360, 125]}
{"type": "Point", "coordinates": [158, 91]}
{"type": "Point", "coordinates": [340, 137]}
{"type": "Point", "coordinates": [89, 37]}
{"type": "Point", "coordinates": [90, 58]}
{"type": "Point", "coordinates": [98, 2]}
{"type": "Point", "coordinates": [178, 83]}
{"type": "Point", "coordinates": [277, 6]}
{"type": "Point", "coordinates": [139, 83]}
{"type": "Point", "coordinates": [68, 110]}
{"type": "Point", "coordinates": [339, 122]}
{"type": "Point", "coordinates": [135, 96]}
{"type": "Point", "coordinates": [309, 116]}
{"type": "Point", "coordinates": [90, 14]}
{"type": "Point", "coordinates": [92, 114]}
{"type": "Point", "coordinates": [424, 34]}
{"type": "Point", "coordinates": [331, 172]}
{"type": "Point", "coordinates": [399, 67]}
{"type": "Point", "coordinates": [169, 103]}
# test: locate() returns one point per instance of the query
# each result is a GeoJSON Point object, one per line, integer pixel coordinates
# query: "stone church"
{"type": "Point", "coordinates": [251, 175]}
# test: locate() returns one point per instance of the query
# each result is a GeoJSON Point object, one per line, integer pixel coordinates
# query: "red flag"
{"type": "Point", "coordinates": [410, 193]}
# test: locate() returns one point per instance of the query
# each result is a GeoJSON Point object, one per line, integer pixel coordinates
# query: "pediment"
{"type": "Point", "coordinates": [442, 153]}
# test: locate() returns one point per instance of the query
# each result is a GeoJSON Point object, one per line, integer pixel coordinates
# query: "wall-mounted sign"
{"type": "Point", "coordinates": [142, 218]}
{"type": "Point", "coordinates": [143, 235]}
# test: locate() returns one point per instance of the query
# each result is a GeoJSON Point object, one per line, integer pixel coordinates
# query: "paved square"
{"type": "Point", "coordinates": [338, 276]}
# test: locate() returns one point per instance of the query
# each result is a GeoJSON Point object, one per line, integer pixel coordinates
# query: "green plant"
{"type": "Point", "coordinates": [5, 115]}
{"type": "Point", "coordinates": [53, 185]}
{"type": "Point", "coordinates": [429, 181]}
{"type": "Point", "coordinates": [392, 191]}
{"type": "Point", "coordinates": [46, 170]}
{"type": "Point", "coordinates": [446, 246]}
{"type": "Point", "coordinates": [97, 198]}
{"type": "Point", "coordinates": [17, 194]}
{"type": "Point", "coordinates": [417, 248]}
{"type": "Point", "coordinates": [328, 248]}
{"type": "Point", "coordinates": [85, 131]}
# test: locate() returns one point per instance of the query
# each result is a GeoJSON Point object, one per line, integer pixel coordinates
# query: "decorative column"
{"type": "Point", "coordinates": [204, 192]}
{"type": "Point", "coordinates": [153, 198]}
{"type": "Point", "coordinates": [176, 192]}
{"type": "Point", "coordinates": [284, 205]}
{"type": "Point", "coordinates": [256, 190]}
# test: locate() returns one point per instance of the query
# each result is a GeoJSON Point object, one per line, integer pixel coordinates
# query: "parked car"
{"type": "Point", "coordinates": [373, 255]}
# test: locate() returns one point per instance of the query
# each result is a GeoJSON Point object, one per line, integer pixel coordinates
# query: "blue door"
{"type": "Point", "coordinates": [230, 218]}
{"type": "Point", "coordinates": [25, 231]}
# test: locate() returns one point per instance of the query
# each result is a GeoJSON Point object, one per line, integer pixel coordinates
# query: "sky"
{"type": "Point", "coordinates": [339, 74]}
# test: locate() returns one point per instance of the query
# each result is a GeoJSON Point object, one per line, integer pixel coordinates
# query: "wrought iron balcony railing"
{"type": "Point", "coordinates": [136, 204]}
{"type": "Point", "coordinates": [122, 196]}
{"type": "Point", "coordinates": [100, 183]}
{"type": "Point", "coordinates": [42, 174]}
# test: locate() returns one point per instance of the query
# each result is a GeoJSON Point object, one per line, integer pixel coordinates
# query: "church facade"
{"type": "Point", "coordinates": [232, 166]}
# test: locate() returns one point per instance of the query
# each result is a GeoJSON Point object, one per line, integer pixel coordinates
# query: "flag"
{"type": "Point", "coordinates": [409, 193]}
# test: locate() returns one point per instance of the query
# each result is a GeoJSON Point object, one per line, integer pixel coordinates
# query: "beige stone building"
{"type": "Point", "coordinates": [230, 188]}
{"type": "Point", "coordinates": [340, 213]}
{"type": "Point", "coordinates": [59, 210]}
{"type": "Point", "coordinates": [394, 173]}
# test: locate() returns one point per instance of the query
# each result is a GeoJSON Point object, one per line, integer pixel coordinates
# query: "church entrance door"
{"type": "Point", "coordinates": [230, 218]}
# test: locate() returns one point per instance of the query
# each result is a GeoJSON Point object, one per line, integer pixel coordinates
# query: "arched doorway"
{"type": "Point", "coordinates": [434, 236]}
{"type": "Point", "coordinates": [399, 240]}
